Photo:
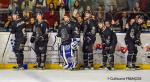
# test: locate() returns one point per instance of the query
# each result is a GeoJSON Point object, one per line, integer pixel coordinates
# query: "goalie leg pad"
{"type": "Point", "coordinates": [67, 56]}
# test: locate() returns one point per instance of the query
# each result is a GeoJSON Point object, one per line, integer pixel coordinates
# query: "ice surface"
{"type": "Point", "coordinates": [71, 76]}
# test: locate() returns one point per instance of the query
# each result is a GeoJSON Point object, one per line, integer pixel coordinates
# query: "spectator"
{"type": "Point", "coordinates": [100, 14]}
{"type": "Point", "coordinates": [13, 7]}
{"type": "Point", "coordinates": [143, 4]}
{"type": "Point", "coordinates": [27, 5]}
{"type": "Point", "coordinates": [148, 24]}
{"type": "Point", "coordinates": [76, 9]}
{"type": "Point", "coordinates": [145, 24]}
{"type": "Point", "coordinates": [56, 2]}
{"type": "Point", "coordinates": [122, 4]}
{"type": "Point", "coordinates": [56, 26]}
{"type": "Point", "coordinates": [131, 4]}
{"type": "Point", "coordinates": [95, 4]}
{"type": "Point", "coordinates": [71, 3]}
{"type": "Point", "coordinates": [85, 3]}
{"type": "Point", "coordinates": [41, 3]}
{"type": "Point", "coordinates": [30, 24]}
{"type": "Point", "coordinates": [108, 4]}
{"type": "Point", "coordinates": [51, 16]}
{"type": "Point", "coordinates": [110, 15]}
{"type": "Point", "coordinates": [148, 8]}
{"type": "Point", "coordinates": [80, 24]}
{"type": "Point", "coordinates": [123, 21]}
{"type": "Point", "coordinates": [88, 9]}
{"type": "Point", "coordinates": [62, 9]}
{"type": "Point", "coordinates": [7, 24]}
{"type": "Point", "coordinates": [3, 18]}
{"type": "Point", "coordinates": [137, 9]}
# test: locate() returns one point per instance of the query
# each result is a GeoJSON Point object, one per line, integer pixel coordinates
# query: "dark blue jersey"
{"type": "Point", "coordinates": [89, 32]}
{"type": "Point", "coordinates": [18, 28]}
{"type": "Point", "coordinates": [133, 33]}
{"type": "Point", "coordinates": [108, 37]}
{"type": "Point", "coordinates": [68, 31]}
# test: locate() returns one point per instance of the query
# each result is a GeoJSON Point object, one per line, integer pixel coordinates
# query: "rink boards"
{"type": "Point", "coordinates": [8, 59]}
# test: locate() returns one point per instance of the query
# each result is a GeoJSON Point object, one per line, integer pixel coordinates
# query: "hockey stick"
{"type": "Point", "coordinates": [142, 46]}
{"type": "Point", "coordinates": [54, 42]}
{"type": "Point", "coordinates": [58, 48]}
{"type": "Point", "coordinates": [5, 48]}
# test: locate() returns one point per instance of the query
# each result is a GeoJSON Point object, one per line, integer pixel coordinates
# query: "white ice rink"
{"type": "Point", "coordinates": [72, 76]}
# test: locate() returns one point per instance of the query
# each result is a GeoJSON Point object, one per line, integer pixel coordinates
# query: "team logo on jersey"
{"type": "Point", "coordinates": [20, 23]}
{"type": "Point", "coordinates": [132, 33]}
{"type": "Point", "coordinates": [108, 40]}
{"type": "Point", "coordinates": [41, 25]}
{"type": "Point", "coordinates": [69, 25]}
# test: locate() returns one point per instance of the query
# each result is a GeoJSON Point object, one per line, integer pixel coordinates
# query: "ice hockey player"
{"type": "Point", "coordinates": [18, 28]}
{"type": "Point", "coordinates": [132, 40]}
{"type": "Point", "coordinates": [69, 34]}
{"type": "Point", "coordinates": [109, 42]}
{"type": "Point", "coordinates": [89, 37]}
{"type": "Point", "coordinates": [40, 39]}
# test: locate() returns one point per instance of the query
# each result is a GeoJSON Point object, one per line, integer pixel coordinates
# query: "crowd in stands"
{"type": "Point", "coordinates": [119, 12]}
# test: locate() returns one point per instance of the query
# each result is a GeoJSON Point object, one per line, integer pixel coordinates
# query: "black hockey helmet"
{"type": "Point", "coordinates": [18, 13]}
{"type": "Point", "coordinates": [39, 13]}
{"type": "Point", "coordinates": [141, 17]}
{"type": "Point", "coordinates": [15, 13]}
